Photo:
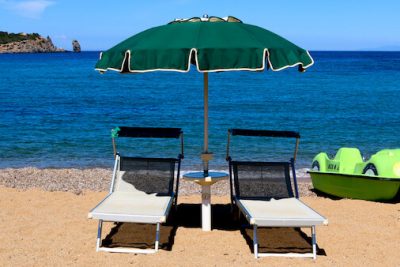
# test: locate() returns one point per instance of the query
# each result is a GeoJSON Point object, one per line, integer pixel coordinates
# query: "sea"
{"type": "Point", "coordinates": [56, 111]}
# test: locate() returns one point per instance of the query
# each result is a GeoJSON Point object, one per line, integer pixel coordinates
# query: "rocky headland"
{"type": "Point", "coordinates": [26, 43]}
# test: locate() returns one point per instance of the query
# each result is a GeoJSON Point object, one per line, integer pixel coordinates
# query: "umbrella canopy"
{"type": "Point", "coordinates": [212, 44]}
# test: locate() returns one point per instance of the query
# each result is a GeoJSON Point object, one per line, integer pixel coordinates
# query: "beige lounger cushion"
{"type": "Point", "coordinates": [287, 212]}
{"type": "Point", "coordinates": [131, 207]}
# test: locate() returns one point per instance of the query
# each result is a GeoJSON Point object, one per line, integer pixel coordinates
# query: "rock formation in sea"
{"type": "Point", "coordinates": [76, 47]}
{"type": "Point", "coordinates": [26, 43]}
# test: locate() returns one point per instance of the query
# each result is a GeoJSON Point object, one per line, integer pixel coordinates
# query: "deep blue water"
{"type": "Point", "coordinates": [56, 111]}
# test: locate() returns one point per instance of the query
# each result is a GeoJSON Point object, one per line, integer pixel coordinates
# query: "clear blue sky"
{"type": "Point", "coordinates": [312, 24]}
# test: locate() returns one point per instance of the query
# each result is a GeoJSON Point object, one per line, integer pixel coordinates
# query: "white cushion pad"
{"type": "Point", "coordinates": [287, 212]}
{"type": "Point", "coordinates": [131, 207]}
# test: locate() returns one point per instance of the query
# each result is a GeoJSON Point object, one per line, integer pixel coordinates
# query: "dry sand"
{"type": "Point", "coordinates": [42, 228]}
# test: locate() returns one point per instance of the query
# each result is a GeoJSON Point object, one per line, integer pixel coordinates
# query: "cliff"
{"type": "Point", "coordinates": [26, 43]}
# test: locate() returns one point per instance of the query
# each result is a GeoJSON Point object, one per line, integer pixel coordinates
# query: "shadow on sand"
{"type": "Point", "coordinates": [272, 240]}
{"type": "Point", "coordinates": [395, 200]}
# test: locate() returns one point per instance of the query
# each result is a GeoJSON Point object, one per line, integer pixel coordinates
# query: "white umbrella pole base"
{"type": "Point", "coordinates": [206, 207]}
{"type": "Point", "coordinates": [205, 183]}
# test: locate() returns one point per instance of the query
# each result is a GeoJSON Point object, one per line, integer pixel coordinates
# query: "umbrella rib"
{"type": "Point", "coordinates": [266, 51]}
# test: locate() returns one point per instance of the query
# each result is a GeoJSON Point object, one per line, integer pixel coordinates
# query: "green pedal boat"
{"type": "Point", "coordinates": [349, 176]}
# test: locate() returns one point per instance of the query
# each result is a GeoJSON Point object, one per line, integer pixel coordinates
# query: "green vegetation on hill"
{"type": "Point", "coordinates": [6, 37]}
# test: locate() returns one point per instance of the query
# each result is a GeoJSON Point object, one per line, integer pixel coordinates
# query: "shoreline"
{"type": "Point", "coordinates": [78, 181]}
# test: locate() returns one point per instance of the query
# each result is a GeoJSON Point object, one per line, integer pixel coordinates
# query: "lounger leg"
{"type": "Point", "coordinates": [255, 241]}
{"type": "Point", "coordinates": [99, 228]}
{"type": "Point", "coordinates": [157, 237]}
{"type": "Point", "coordinates": [314, 242]}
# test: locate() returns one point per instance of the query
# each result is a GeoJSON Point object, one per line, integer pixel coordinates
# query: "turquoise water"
{"type": "Point", "coordinates": [56, 111]}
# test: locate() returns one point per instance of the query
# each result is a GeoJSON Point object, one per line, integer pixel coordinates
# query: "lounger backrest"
{"type": "Point", "coordinates": [262, 180]}
{"type": "Point", "coordinates": [146, 175]}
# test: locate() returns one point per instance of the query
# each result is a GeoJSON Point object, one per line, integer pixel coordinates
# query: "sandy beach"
{"type": "Point", "coordinates": [242, 98]}
{"type": "Point", "coordinates": [50, 227]}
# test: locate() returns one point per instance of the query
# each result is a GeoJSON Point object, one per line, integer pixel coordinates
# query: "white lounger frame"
{"type": "Point", "coordinates": [272, 223]}
{"type": "Point", "coordinates": [127, 250]}
{"type": "Point", "coordinates": [100, 225]}
{"type": "Point", "coordinates": [309, 217]}
{"type": "Point", "coordinates": [313, 254]}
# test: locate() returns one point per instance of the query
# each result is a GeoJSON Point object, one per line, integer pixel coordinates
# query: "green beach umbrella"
{"type": "Point", "coordinates": [211, 44]}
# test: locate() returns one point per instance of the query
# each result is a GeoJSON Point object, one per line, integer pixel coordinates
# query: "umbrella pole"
{"type": "Point", "coordinates": [205, 155]}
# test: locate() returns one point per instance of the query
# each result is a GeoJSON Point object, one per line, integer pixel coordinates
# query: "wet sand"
{"type": "Point", "coordinates": [44, 228]}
